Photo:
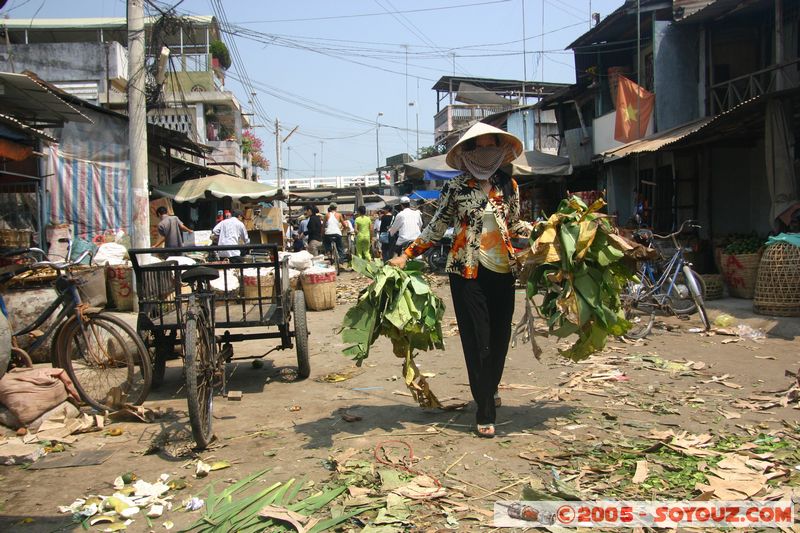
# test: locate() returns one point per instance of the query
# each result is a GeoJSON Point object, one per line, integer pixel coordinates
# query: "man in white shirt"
{"type": "Point", "coordinates": [407, 225]}
{"type": "Point", "coordinates": [231, 232]}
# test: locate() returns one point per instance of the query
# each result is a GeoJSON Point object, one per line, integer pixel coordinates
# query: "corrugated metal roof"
{"type": "Point", "coordinates": [24, 127]}
{"type": "Point", "coordinates": [695, 11]}
{"type": "Point", "coordinates": [86, 23]}
{"type": "Point", "coordinates": [31, 101]}
{"type": "Point", "coordinates": [662, 139]}
{"type": "Point", "coordinates": [657, 141]}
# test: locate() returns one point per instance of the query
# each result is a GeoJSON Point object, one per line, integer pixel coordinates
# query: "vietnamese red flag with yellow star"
{"type": "Point", "coordinates": [634, 109]}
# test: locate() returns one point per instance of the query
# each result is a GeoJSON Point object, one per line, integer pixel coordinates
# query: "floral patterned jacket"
{"type": "Point", "coordinates": [461, 206]}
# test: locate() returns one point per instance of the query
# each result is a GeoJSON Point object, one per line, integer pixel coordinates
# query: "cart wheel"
{"type": "Point", "coordinates": [301, 335]}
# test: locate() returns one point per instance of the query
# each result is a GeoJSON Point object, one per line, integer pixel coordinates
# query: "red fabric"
{"type": "Point", "coordinates": [634, 107]}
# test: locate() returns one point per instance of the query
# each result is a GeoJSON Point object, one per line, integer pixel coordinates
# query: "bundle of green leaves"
{"type": "Point", "coordinates": [576, 263]}
{"type": "Point", "coordinates": [400, 305]}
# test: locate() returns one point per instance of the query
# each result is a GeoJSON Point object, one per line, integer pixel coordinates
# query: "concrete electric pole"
{"type": "Point", "coordinates": [137, 125]}
{"type": "Point", "coordinates": [278, 153]}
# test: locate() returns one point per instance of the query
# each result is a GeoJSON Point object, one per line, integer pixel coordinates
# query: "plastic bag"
{"type": "Point", "coordinates": [111, 253]}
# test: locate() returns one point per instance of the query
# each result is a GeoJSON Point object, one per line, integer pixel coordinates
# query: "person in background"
{"type": "Point", "coordinates": [407, 225]}
{"type": "Point", "coordinates": [227, 214]}
{"type": "Point", "coordinates": [483, 206]}
{"type": "Point", "coordinates": [169, 229]}
{"type": "Point", "coordinates": [376, 228]}
{"type": "Point", "coordinates": [387, 246]}
{"type": "Point", "coordinates": [303, 226]}
{"type": "Point", "coordinates": [363, 234]}
{"type": "Point", "coordinates": [231, 232]}
{"type": "Point", "coordinates": [313, 229]}
{"type": "Point", "coordinates": [298, 244]}
{"type": "Point", "coordinates": [334, 225]}
{"type": "Point", "coordinates": [220, 217]}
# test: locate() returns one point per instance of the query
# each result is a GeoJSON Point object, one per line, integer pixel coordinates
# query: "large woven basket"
{"type": "Point", "coordinates": [777, 290]}
{"type": "Point", "coordinates": [251, 284]}
{"type": "Point", "coordinates": [740, 272]}
{"type": "Point", "coordinates": [320, 296]}
{"type": "Point", "coordinates": [714, 286]}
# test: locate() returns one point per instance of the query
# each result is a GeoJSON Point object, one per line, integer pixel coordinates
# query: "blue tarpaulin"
{"type": "Point", "coordinates": [441, 174]}
{"type": "Point", "coordinates": [424, 195]}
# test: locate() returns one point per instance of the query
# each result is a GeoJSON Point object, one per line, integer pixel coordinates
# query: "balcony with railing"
{"type": "Point", "coordinates": [459, 116]}
{"type": "Point", "coordinates": [728, 94]}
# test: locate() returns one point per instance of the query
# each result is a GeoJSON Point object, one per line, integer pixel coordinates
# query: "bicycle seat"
{"type": "Point", "coordinates": [201, 273]}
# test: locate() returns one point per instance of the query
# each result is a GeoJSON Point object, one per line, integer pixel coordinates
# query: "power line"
{"type": "Point", "coordinates": [361, 15]}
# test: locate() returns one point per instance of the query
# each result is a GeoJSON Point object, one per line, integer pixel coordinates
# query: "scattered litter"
{"type": "Point", "coordinates": [116, 512]}
{"type": "Point", "coordinates": [341, 375]}
{"type": "Point", "coordinates": [724, 320]}
{"type": "Point", "coordinates": [81, 458]}
{"type": "Point", "coordinates": [641, 472]}
{"type": "Point", "coordinates": [193, 504]}
{"type": "Point", "coordinates": [294, 408]}
{"type": "Point", "coordinates": [234, 396]}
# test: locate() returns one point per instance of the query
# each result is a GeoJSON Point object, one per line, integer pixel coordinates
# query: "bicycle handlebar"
{"type": "Point", "coordinates": [62, 265]}
{"type": "Point", "coordinates": [691, 223]}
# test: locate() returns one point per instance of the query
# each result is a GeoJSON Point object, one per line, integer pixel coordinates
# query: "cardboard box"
{"type": "Point", "coordinates": [270, 220]}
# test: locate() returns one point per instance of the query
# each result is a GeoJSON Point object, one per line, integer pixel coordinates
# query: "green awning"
{"type": "Point", "coordinates": [219, 186]}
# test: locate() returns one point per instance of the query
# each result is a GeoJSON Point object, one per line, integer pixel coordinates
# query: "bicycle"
{"type": "Point", "coordinates": [201, 321]}
{"type": "Point", "coordinates": [332, 254]}
{"type": "Point", "coordinates": [204, 364]}
{"type": "Point", "coordinates": [103, 356]}
{"type": "Point", "coordinates": [677, 290]}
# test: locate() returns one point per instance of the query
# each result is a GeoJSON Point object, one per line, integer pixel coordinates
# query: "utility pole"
{"type": "Point", "coordinates": [137, 125]}
{"type": "Point", "coordinates": [278, 153]}
{"type": "Point", "coordinates": [321, 153]}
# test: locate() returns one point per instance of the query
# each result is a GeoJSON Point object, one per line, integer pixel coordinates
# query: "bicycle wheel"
{"type": "Point", "coordinates": [681, 300]}
{"type": "Point", "coordinates": [335, 257]}
{"type": "Point", "coordinates": [301, 335]}
{"type": "Point", "coordinates": [106, 361]}
{"type": "Point", "coordinates": [640, 319]}
{"type": "Point", "coordinates": [199, 373]}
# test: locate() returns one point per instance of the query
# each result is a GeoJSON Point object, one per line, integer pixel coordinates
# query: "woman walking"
{"type": "Point", "coordinates": [363, 234]}
{"type": "Point", "coordinates": [483, 206]}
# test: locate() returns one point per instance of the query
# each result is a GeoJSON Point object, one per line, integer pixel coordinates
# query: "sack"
{"type": "Point", "coordinates": [30, 392]}
{"type": "Point", "coordinates": [383, 237]}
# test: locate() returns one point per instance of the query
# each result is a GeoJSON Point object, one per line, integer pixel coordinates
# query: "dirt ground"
{"type": "Point", "coordinates": [566, 427]}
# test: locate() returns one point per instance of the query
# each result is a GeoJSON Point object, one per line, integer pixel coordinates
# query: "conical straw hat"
{"type": "Point", "coordinates": [477, 130]}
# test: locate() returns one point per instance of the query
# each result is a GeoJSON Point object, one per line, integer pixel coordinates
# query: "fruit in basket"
{"type": "Point", "coordinates": [743, 244]}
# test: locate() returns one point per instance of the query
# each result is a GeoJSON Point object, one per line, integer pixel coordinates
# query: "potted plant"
{"type": "Point", "coordinates": [220, 57]}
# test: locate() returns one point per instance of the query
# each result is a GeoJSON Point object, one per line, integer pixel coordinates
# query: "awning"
{"type": "Point", "coordinates": [535, 163]}
{"type": "Point", "coordinates": [15, 124]}
{"type": "Point", "coordinates": [424, 195]}
{"type": "Point", "coordinates": [657, 141]}
{"type": "Point", "coordinates": [429, 167]}
{"type": "Point", "coordinates": [322, 195]}
{"type": "Point", "coordinates": [31, 102]}
{"type": "Point", "coordinates": [219, 186]}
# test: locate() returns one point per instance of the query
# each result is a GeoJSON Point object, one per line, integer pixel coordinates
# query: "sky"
{"type": "Point", "coordinates": [330, 67]}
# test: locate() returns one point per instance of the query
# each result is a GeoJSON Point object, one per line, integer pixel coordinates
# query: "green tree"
{"type": "Point", "coordinates": [431, 151]}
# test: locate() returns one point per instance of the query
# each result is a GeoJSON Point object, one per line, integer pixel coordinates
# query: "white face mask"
{"type": "Point", "coordinates": [483, 161]}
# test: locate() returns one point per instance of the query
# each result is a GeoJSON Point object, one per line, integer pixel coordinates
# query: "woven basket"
{"type": "Point", "coordinates": [778, 285]}
{"type": "Point", "coordinates": [714, 286]}
{"type": "Point", "coordinates": [250, 286]}
{"type": "Point", "coordinates": [740, 272]}
{"type": "Point", "coordinates": [15, 238]}
{"type": "Point", "coordinates": [320, 296]}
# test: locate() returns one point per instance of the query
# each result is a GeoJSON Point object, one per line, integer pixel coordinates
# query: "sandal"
{"type": "Point", "coordinates": [486, 431]}
{"type": "Point", "coordinates": [497, 401]}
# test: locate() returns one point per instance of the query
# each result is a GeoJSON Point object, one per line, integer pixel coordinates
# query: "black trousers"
{"type": "Point", "coordinates": [484, 308]}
